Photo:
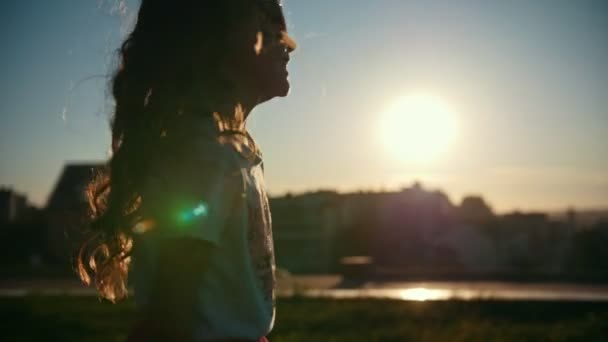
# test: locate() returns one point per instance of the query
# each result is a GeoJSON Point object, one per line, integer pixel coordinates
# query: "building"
{"type": "Point", "coordinates": [66, 209]}
{"type": "Point", "coordinates": [304, 227]}
{"type": "Point", "coordinates": [530, 242]}
{"type": "Point", "coordinates": [13, 206]}
{"type": "Point", "coordinates": [409, 225]}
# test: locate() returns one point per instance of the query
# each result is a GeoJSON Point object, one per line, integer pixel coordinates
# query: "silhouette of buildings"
{"type": "Point", "coordinates": [530, 242]}
{"type": "Point", "coordinates": [474, 210]}
{"type": "Point", "coordinates": [415, 232]}
{"type": "Point", "coordinates": [66, 209]}
{"type": "Point", "coordinates": [13, 206]}
{"type": "Point", "coordinates": [304, 229]}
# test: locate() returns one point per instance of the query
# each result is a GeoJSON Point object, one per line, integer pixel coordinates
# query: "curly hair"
{"type": "Point", "coordinates": [168, 67]}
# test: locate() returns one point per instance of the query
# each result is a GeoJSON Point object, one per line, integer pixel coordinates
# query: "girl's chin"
{"type": "Point", "coordinates": [280, 89]}
{"type": "Point", "coordinates": [285, 90]}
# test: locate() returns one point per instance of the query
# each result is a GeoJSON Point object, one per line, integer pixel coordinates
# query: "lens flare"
{"type": "Point", "coordinates": [201, 210]}
{"type": "Point", "coordinates": [143, 226]}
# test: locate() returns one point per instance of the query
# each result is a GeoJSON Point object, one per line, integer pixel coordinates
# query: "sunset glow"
{"type": "Point", "coordinates": [423, 294]}
{"type": "Point", "coordinates": [418, 128]}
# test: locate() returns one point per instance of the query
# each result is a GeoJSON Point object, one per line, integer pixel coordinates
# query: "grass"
{"type": "Point", "coordinates": [38, 318]}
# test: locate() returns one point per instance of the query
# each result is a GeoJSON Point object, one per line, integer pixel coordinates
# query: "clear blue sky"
{"type": "Point", "coordinates": [526, 80]}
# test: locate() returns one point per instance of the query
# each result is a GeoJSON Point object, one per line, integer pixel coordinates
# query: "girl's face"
{"type": "Point", "coordinates": [262, 48]}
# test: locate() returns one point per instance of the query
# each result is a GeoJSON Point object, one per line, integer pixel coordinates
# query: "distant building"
{"type": "Point", "coordinates": [530, 242]}
{"type": "Point", "coordinates": [414, 231]}
{"type": "Point", "coordinates": [580, 219]}
{"type": "Point", "coordinates": [66, 209]}
{"type": "Point", "coordinates": [474, 210]}
{"type": "Point", "coordinates": [472, 247]}
{"type": "Point", "coordinates": [303, 229]}
{"type": "Point", "coordinates": [13, 206]}
{"type": "Point", "coordinates": [409, 224]}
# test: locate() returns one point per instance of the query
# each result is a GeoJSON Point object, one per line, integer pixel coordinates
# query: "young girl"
{"type": "Point", "coordinates": [182, 199]}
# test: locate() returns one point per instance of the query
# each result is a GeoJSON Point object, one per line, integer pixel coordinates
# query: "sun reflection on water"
{"type": "Point", "coordinates": [424, 294]}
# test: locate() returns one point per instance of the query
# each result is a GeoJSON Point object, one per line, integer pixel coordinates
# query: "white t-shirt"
{"type": "Point", "coordinates": [237, 295]}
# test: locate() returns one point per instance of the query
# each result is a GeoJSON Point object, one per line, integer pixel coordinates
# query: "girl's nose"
{"type": "Point", "coordinates": [288, 42]}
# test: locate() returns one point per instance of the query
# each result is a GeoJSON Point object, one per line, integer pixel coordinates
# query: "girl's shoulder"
{"type": "Point", "coordinates": [196, 139]}
{"type": "Point", "coordinates": [198, 143]}
{"type": "Point", "coordinates": [193, 164]}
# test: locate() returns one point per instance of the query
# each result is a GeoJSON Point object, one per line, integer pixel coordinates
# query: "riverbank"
{"type": "Point", "coordinates": [59, 318]}
{"type": "Point", "coordinates": [334, 286]}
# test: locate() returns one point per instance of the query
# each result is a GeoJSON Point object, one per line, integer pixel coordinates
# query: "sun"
{"type": "Point", "coordinates": [418, 128]}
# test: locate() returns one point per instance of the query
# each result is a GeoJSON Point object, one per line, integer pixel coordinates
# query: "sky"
{"type": "Point", "coordinates": [525, 81]}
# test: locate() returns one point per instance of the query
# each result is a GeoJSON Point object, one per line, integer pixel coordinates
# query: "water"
{"type": "Point", "coordinates": [410, 291]}
{"type": "Point", "coordinates": [433, 291]}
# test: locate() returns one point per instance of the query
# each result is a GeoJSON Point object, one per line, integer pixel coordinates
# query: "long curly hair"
{"type": "Point", "coordinates": [168, 66]}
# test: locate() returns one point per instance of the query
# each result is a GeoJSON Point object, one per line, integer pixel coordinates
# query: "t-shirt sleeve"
{"type": "Point", "coordinates": [193, 194]}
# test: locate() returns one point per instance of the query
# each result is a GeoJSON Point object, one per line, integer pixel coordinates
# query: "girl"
{"type": "Point", "coordinates": [183, 197]}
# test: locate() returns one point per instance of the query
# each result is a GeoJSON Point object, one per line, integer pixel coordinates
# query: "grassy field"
{"type": "Point", "coordinates": [299, 319]}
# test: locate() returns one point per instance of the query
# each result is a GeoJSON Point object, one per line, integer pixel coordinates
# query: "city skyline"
{"type": "Point", "coordinates": [82, 166]}
{"type": "Point", "coordinates": [526, 82]}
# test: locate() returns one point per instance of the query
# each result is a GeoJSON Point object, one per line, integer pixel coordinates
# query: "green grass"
{"type": "Point", "coordinates": [299, 319]}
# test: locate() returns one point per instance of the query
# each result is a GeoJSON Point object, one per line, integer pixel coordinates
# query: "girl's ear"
{"type": "Point", "coordinates": [259, 43]}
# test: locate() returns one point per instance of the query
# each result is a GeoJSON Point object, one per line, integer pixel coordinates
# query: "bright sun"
{"type": "Point", "coordinates": [418, 128]}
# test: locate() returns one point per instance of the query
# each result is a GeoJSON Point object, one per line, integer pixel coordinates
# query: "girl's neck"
{"type": "Point", "coordinates": [232, 115]}
{"type": "Point", "coordinates": [229, 109]}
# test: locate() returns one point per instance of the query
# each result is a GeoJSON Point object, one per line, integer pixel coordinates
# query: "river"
{"type": "Point", "coordinates": [333, 287]}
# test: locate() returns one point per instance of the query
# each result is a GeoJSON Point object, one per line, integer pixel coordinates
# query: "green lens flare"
{"type": "Point", "coordinates": [200, 210]}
